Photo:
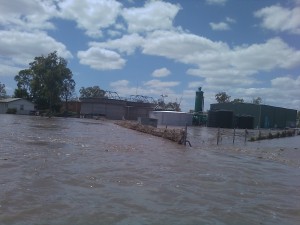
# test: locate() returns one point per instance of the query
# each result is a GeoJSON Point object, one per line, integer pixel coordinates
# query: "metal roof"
{"type": "Point", "coordinates": [7, 100]}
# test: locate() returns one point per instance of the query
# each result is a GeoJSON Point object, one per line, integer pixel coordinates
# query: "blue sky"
{"type": "Point", "coordinates": [247, 48]}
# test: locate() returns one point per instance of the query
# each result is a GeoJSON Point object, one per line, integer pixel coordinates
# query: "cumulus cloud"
{"type": "Point", "coordinates": [222, 25]}
{"type": "Point", "coordinates": [154, 88]}
{"type": "Point", "coordinates": [94, 14]}
{"type": "Point", "coordinates": [161, 84]}
{"type": "Point", "coordinates": [281, 19]}
{"type": "Point", "coordinates": [163, 72]}
{"type": "Point", "coordinates": [101, 59]}
{"type": "Point", "coordinates": [126, 44]}
{"type": "Point", "coordinates": [154, 15]}
{"type": "Point", "coordinates": [18, 48]}
{"type": "Point", "coordinates": [27, 15]}
{"type": "Point", "coordinates": [219, 26]}
{"type": "Point", "coordinates": [217, 58]}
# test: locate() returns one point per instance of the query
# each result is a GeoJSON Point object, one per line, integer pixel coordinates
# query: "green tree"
{"type": "Point", "coordinates": [91, 92]}
{"type": "Point", "coordinates": [68, 91]}
{"type": "Point", "coordinates": [257, 100]}
{"type": "Point", "coordinates": [173, 106]}
{"type": "Point", "coordinates": [43, 82]}
{"type": "Point", "coordinates": [23, 79]}
{"type": "Point", "coordinates": [238, 100]}
{"type": "Point", "coordinates": [2, 90]}
{"type": "Point", "coordinates": [222, 97]}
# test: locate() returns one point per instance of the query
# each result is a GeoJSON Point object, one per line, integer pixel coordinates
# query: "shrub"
{"type": "Point", "coordinates": [11, 111]}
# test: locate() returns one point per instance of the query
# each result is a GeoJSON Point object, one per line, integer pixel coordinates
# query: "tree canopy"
{"type": "Point", "coordinates": [238, 100]}
{"type": "Point", "coordinates": [91, 92]}
{"type": "Point", "coordinates": [222, 97]}
{"type": "Point", "coordinates": [257, 100]}
{"type": "Point", "coordinates": [2, 90]}
{"type": "Point", "coordinates": [45, 81]}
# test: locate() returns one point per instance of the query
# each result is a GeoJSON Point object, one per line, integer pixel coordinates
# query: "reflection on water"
{"type": "Point", "coordinates": [75, 171]}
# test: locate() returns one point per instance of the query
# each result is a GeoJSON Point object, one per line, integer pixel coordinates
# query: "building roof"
{"type": "Point", "coordinates": [8, 100]}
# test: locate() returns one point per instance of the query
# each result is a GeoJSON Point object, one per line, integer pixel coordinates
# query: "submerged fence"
{"type": "Point", "coordinates": [212, 136]}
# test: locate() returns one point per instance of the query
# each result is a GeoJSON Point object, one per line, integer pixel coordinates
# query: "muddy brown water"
{"type": "Point", "coordinates": [80, 171]}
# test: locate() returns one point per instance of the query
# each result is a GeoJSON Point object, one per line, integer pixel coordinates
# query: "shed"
{"type": "Point", "coordinates": [264, 116]}
{"type": "Point", "coordinates": [19, 105]}
{"type": "Point", "coordinates": [172, 118]}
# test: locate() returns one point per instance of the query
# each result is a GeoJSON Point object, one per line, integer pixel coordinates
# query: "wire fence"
{"type": "Point", "coordinates": [217, 136]}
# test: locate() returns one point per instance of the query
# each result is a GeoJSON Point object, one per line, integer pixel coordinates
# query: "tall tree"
{"type": "Point", "coordinates": [68, 91]}
{"type": "Point", "coordinates": [91, 92]}
{"type": "Point", "coordinates": [2, 90]}
{"type": "Point", "coordinates": [222, 97]}
{"type": "Point", "coordinates": [43, 81]}
{"type": "Point", "coordinates": [257, 100]}
{"type": "Point", "coordinates": [23, 79]}
{"type": "Point", "coordinates": [238, 100]}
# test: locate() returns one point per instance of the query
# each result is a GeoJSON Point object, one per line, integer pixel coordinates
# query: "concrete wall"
{"type": "Point", "coordinates": [172, 118]}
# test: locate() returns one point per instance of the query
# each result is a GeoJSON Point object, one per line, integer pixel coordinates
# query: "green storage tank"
{"type": "Point", "coordinates": [199, 101]}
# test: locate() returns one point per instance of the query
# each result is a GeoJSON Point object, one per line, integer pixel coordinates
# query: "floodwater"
{"type": "Point", "coordinates": [88, 172]}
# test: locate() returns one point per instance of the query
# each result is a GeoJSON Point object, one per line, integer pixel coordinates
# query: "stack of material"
{"type": "Point", "coordinates": [176, 135]}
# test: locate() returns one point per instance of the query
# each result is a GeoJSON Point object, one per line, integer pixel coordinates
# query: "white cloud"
{"type": "Point", "coordinates": [157, 84]}
{"type": "Point", "coordinates": [126, 44]}
{"type": "Point", "coordinates": [188, 46]}
{"type": "Point", "coordinates": [18, 48]}
{"type": "Point", "coordinates": [27, 15]}
{"type": "Point", "coordinates": [163, 72]}
{"type": "Point", "coordinates": [91, 15]}
{"type": "Point", "coordinates": [119, 83]}
{"type": "Point", "coordinates": [219, 26]}
{"type": "Point", "coordinates": [217, 59]}
{"type": "Point", "coordinates": [216, 2]}
{"type": "Point", "coordinates": [222, 25]}
{"type": "Point", "coordinates": [230, 20]}
{"type": "Point", "coordinates": [154, 15]}
{"type": "Point", "coordinates": [278, 18]}
{"type": "Point", "coordinates": [154, 88]}
{"type": "Point", "coordinates": [101, 59]}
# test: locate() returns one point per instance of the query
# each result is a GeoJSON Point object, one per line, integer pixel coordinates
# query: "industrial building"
{"type": "Point", "coordinates": [248, 115]}
{"type": "Point", "coordinates": [115, 109]}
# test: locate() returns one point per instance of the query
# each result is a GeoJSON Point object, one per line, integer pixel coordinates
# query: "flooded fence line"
{"type": "Point", "coordinates": [222, 135]}
{"type": "Point", "coordinates": [253, 135]}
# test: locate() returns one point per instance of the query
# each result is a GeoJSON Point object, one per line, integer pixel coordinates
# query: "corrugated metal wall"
{"type": "Point", "coordinates": [115, 109]}
{"type": "Point", "coordinates": [265, 116]}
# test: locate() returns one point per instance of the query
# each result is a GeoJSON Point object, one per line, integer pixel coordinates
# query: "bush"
{"type": "Point", "coordinates": [11, 111]}
{"type": "Point", "coordinates": [270, 136]}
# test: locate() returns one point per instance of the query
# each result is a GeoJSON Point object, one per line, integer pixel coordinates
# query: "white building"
{"type": "Point", "coordinates": [21, 106]}
{"type": "Point", "coordinates": [172, 118]}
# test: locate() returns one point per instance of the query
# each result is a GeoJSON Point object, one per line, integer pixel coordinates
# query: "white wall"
{"type": "Point", "coordinates": [172, 118]}
{"type": "Point", "coordinates": [23, 106]}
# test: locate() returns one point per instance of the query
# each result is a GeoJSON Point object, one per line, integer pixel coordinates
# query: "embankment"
{"type": "Point", "coordinates": [176, 135]}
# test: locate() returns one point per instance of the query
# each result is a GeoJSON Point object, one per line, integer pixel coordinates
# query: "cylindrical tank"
{"type": "Point", "coordinates": [199, 101]}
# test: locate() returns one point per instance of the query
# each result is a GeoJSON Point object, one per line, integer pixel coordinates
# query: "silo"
{"type": "Point", "coordinates": [199, 101]}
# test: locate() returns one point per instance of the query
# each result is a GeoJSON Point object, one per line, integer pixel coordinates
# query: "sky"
{"type": "Point", "coordinates": [246, 48]}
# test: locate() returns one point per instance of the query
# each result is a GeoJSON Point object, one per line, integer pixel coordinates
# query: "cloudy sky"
{"type": "Point", "coordinates": [246, 48]}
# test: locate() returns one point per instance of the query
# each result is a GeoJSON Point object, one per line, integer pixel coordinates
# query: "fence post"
{"type": "Point", "coordinates": [185, 134]}
{"type": "Point", "coordinates": [233, 135]}
{"type": "Point", "coordinates": [246, 134]}
{"type": "Point", "coordinates": [218, 136]}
